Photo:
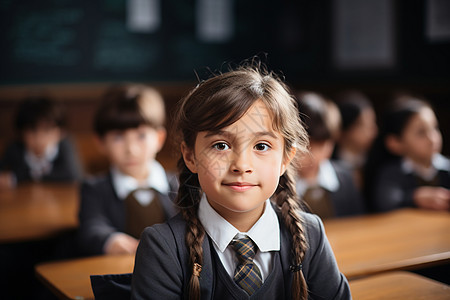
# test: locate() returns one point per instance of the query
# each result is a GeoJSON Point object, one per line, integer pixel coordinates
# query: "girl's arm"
{"type": "Point", "coordinates": [157, 269]}
{"type": "Point", "coordinates": [321, 271]}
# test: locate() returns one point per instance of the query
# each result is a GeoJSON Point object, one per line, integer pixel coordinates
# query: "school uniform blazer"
{"type": "Point", "coordinates": [394, 188]}
{"type": "Point", "coordinates": [162, 271]}
{"type": "Point", "coordinates": [347, 199]}
{"type": "Point", "coordinates": [66, 165]}
{"type": "Point", "coordinates": [102, 213]}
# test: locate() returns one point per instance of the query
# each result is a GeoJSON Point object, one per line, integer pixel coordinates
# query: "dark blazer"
{"type": "Point", "coordinates": [162, 270]}
{"type": "Point", "coordinates": [66, 166]}
{"type": "Point", "coordinates": [347, 200]}
{"type": "Point", "coordinates": [393, 188]}
{"type": "Point", "coordinates": [102, 213]}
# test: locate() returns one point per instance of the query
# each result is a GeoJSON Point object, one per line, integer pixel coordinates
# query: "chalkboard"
{"type": "Point", "coordinates": [85, 40]}
{"type": "Point", "coordinates": [52, 41]}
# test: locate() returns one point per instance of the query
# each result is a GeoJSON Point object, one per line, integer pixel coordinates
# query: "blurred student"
{"type": "Point", "coordinates": [42, 152]}
{"type": "Point", "coordinates": [358, 131]}
{"type": "Point", "coordinates": [325, 186]}
{"type": "Point", "coordinates": [136, 192]}
{"type": "Point", "coordinates": [408, 169]}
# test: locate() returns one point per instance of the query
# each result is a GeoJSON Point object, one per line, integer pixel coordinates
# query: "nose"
{"type": "Point", "coordinates": [132, 147]}
{"type": "Point", "coordinates": [241, 162]}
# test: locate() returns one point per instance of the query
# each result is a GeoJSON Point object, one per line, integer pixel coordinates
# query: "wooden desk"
{"type": "Point", "coordinates": [70, 279]}
{"type": "Point", "coordinates": [34, 211]}
{"type": "Point", "coordinates": [398, 285]}
{"type": "Point", "coordinates": [398, 240]}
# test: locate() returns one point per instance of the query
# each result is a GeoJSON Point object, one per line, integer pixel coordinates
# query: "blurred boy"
{"type": "Point", "coordinates": [325, 186]}
{"type": "Point", "coordinates": [42, 152]}
{"type": "Point", "coordinates": [136, 192]}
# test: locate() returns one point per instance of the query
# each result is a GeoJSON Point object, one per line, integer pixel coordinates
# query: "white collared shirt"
{"type": "Point", "coordinates": [125, 184]}
{"type": "Point", "coordinates": [40, 166]}
{"type": "Point", "coordinates": [438, 162]}
{"type": "Point", "coordinates": [326, 179]}
{"type": "Point", "coordinates": [265, 233]}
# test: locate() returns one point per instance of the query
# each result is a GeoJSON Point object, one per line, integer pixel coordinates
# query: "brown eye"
{"type": "Point", "coordinates": [221, 146]}
{"type": "Point", "coordinates": [262, 147]}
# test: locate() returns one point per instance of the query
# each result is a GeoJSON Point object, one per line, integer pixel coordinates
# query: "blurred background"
{"type": "Point", "coordinates": [73, 49]}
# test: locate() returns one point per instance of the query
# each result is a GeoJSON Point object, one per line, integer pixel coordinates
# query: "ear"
{"type": "Point", "coordinates": [287, 160]}
{"type": "Point", "coordinates": [394, 144]}
{"type": "Point", "coordinates": [162, 134]}
{"type": "Point", "coordinates": [189, 157]}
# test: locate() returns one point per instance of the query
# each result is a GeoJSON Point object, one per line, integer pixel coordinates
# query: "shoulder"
{"type": "Point", "coordinates": [15, 148]}
{"type": "Point", "coordinates": [313, 224]}
{"type": "Point", "coordinates": [171, 230]}
{"type": "Point", "coordinates": [392, 167]}
{"type": "Point", "coordinates": [339, 166]}
{"type": "Point", "coordinates": [66, 143]}
{"type": "Point", "coordinates": [93, 181]}
{"type": "Point", "coordinates": [172, 179]}
{"type": "Point", "coordinates": [94, 184]}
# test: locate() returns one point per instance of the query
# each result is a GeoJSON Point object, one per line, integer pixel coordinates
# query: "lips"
{"type": "Point", "coordinates": [240, 186]}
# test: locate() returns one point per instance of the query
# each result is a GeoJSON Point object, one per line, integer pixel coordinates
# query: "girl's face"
{"type": "Point", "coordinates": [239, 166]}
{"type": "Point", "coordinates": [421, 138]}
{"type": "Point", "coordinates": [130, 150]}
{"type": "Point", "coordinates": [360, 135]}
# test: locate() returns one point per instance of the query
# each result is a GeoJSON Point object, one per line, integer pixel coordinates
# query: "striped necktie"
{"type": "Point", "coordinates": [247, 274]}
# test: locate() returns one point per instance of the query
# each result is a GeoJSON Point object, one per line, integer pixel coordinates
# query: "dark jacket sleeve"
{"type": "Point", "coordinates": [157, 270]}
{"type": "Point", "coordinates": [323, 277]}
{"type": "Point", "coordinates": [66, 166]}
{"type": "Point", "coordinates": [13, 160]}
{"type": "Point", "coordinates": [393, 189]}
{"type": "Point", "coordinates": [96, 223]}
{"type": "Point", "coordinates": [347, 200]}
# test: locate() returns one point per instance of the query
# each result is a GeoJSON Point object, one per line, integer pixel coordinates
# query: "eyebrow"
{"type": "Point", "coordinates": [231, 135]}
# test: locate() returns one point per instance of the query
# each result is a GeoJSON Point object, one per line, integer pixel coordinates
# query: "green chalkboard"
{"type": "Point", "coordinates": [85, 40]}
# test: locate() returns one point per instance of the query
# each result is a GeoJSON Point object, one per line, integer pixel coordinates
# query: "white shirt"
{"type": "Point", "coordinates": [438, 162]}
{"type": "Point", "coordinates": [326, 178]}
{"type": "Point", "coordinates": [40, 166]}
{"type": "Point", "coordinates": [265, 233]}
{"type": "Point", "coordinates": [125, 184]}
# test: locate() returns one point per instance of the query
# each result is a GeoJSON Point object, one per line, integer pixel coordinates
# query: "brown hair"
{"type": "Point", "coordinates": [129, 106]}
{"type": "Point", "coordinates": [321, 116]}
{"type": "Point", "coordinates": [217, 103]}
{"type": "Point", "coordinates": [37, 109]}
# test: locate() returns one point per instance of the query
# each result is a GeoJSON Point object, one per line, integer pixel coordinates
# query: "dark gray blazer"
{"type": "Point", "coordinates": [102, 213]}
{"type": "Point", "coordinates": [162, 270]}
{"type": "Point", "coordinates": [347, 200]}
{"type": "Point", "coordinates": [66, 166]}
{"type": "Point", "coordinates": [394, 188]}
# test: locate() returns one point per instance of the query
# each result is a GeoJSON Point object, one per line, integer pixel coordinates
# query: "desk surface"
{"type": "Point", "coordinates": [398, 285]}
{"type": "Point", "coordinates": [71, 279]}
{"type": "Point", "coordinates": [33, 211]}
{"type": "Point", "coordinates": [398, 240]}
{"type": "Point", "coordinates": [365, 245]}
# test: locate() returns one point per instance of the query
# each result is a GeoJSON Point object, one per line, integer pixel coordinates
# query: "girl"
{"type": "Point", "coordinates": [412, 172]}
{"type": "Point", "coordinates": [359, 129]}
{"type": "Point", "coordinates": [325, 185]}
{"type": "Point", "coordinates": [240, 131]}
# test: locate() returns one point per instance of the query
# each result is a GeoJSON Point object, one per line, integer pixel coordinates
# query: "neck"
{"type": "Point", "coordinates": [242, 221]}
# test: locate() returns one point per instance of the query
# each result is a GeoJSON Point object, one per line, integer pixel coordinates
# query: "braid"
{"type": "Point", "coordinates": [285, 197]}
{"type": "Point", "coordinates": [188, 200]}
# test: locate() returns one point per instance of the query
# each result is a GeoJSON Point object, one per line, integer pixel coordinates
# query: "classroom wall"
{"type": "Point", "coordinates": [75, 49]}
